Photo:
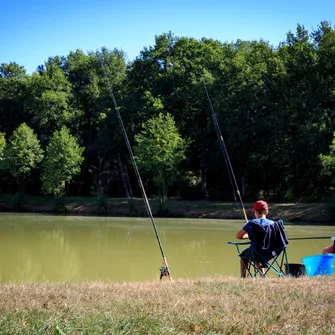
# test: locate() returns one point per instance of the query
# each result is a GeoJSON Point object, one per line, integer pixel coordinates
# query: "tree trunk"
{"type": "Point", "coordinates": [128, 182]}
{"type": "Point", "coordinates": [203, 175]}
{"type": "Point", "coordinates": [127, 187]}
{"type": "Point", "coordinates": [125, 180]}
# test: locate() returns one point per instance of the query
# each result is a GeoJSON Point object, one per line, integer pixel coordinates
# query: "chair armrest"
{"type": "Point", "coordinates": [239, 243]}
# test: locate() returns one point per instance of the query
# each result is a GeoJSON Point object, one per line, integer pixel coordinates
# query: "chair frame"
{"type": "Point", "coordinates": [275, 264]}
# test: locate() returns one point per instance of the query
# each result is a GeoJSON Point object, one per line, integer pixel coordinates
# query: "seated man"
{"type": "Point", "coordinates": [266, 238]}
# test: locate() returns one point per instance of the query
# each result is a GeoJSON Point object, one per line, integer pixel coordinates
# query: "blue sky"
{"type": "Point", "coordinates": [31, 31]}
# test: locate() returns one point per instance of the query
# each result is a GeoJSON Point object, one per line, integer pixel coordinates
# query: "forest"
{"type": "Point", "coordinates": [275, 105]}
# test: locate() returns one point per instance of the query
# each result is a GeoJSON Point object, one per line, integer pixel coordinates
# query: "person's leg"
{"type": "Point", "coordinates": [259, 267]}
{"type": "Point", "coordinates": [243, 267]}
{"type": "Point", "coordinates": [245, 257]}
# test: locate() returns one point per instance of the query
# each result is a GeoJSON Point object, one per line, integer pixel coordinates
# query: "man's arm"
{"type": "Point", "coordinates": [242, 234]}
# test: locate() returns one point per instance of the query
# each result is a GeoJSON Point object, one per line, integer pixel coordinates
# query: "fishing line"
{"type": "Point", "coordinates": [236, 191]}
{"type": "Point", "coordinates": [164, 270]}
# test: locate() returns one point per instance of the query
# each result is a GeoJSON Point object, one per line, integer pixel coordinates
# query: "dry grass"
{"type": "Point", "coordinates": [206, 306]}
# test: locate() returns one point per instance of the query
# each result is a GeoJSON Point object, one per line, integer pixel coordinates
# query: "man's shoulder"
{"type": "Point", "coordinates": [262, 222]}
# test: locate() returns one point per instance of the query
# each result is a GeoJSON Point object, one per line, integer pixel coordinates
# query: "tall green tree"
{"type": "Point", "coordinates": [91, 77]}
{"type": "Point", "coordinates": [62, 162]}
{"type": "Point", "coordinates": [246, 97]}
{"type": "Point", "coordinates": [159, 150]}
{"type": "Point", "coordinates": [306, 106]}
{"type": "Point", "coordinates": [22, 154]}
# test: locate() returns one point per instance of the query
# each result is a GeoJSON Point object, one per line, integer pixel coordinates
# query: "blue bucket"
{"type": "Point", "coordinates": [319, 265]}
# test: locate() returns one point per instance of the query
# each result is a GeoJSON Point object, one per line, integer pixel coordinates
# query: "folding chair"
{"type": "Point", "coordinates": [267, 247]}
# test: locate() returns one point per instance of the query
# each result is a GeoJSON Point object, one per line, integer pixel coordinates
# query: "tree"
{"type": "Point", "coordinates": [62, 162]}
{"type": "Point", "coordinates": [2, 145]}
{"type": "Point", "coordinates": [22, 154]}
{"type": "Point", "coordinates": [328, 164]}
{"type": "Point", "coordinates": [249, 100]}
{"type": "Point", "coordinates": [49, 103]}
{"type": "Point", "coordinates": [307, 110]}
{"type": "Point", "coordinates": [159, 150]}
{"type": "Point", "coordinates": [13, 87]}
{"type": "Point", "coordinates": [170, 72]}
{"type": "Point", "coordinates": [91, 76]}
{"type": "Point", "coordinates": [12, 70]}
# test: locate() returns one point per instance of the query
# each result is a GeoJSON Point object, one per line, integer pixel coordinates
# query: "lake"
{"type": "Point", "coordinates": [38, 248]}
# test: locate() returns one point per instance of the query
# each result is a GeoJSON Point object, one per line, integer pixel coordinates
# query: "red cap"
{"type": "Point", "coordinates": [260, 205]}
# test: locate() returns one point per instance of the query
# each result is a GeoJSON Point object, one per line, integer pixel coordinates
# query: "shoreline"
{"type": "Point", "coordinates": [316, 213]}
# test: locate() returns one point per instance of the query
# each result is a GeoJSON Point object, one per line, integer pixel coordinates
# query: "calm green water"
{"type": "Point", "coordinates": [39, 248]}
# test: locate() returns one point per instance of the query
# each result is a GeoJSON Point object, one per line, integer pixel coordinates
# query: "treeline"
{"type": "Point", "coordinates": [275, 107]}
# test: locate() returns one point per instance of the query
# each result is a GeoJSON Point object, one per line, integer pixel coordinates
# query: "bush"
{"type": "Point", "coordinates": [17, 202]}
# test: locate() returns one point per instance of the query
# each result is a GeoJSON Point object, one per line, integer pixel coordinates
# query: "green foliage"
{"type": "Point", "coordinates": [23, 151]}
{"type": "Point", "coordinates": [58, 331]}
{"type": "Point", "coordinates": [91, 77]}
{"type": "Point", "coordinates": [328, 164]}
{"type": "Point", "coordinates": [49, 107]}
{"type": "Point", "coordinates": [2, 145]}
{"type": "Point", "coordinates": [13, 97]}
{"type": "Point", "coordinates": [59, 207]}
{"type": "Point", "coordinates": [12, 70]}
{"type": "Point", "coordinates": [22, 154]}
{"type": "Point", "coordinates": [190, 188]}
{"type": "Point", "coordinates": [17, 202]}
{"type": "Point", "coordinates": [159, 150]}
{"type": "Point", "coordinates": [275, 106]}
{"type": "Point", "coordinates": [62, 162]}
{"type": "Point", "coordinates": [102, 205]}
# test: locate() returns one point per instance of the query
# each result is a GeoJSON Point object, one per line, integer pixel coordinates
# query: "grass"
{"type": "Point", "coordinates": [206, 306]}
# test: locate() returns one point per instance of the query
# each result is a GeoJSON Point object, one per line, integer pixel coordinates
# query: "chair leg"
{"type": "Point", "coordinates": [245, 266]}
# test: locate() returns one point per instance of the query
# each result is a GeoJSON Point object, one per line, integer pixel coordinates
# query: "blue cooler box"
{"type": "Point", "coordinates": [319, 265]}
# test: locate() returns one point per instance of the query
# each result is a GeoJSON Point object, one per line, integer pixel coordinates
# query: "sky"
{"type": "Point", "coordinates": [32, 31]}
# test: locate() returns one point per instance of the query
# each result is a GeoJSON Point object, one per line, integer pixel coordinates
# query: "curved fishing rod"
{"type": "Point", "coordinates": [236, 190]}
{"type": "Point", "coordinates": [164, 270]}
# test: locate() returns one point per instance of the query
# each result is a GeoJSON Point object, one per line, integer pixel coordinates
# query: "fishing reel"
{"type": "Point", "coordinates": [164, 272]}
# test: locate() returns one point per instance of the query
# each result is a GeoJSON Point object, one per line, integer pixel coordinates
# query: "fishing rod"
{"type": "Point", "coordinates": [236, 191]}
{"type": "Point", "coordinates": [164, 270]}
{"type": "Point", "coordinates": [312, 238]}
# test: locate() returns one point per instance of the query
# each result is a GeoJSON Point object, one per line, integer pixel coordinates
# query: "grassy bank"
{"type": "Point", "coordinates": [206, 306]}
{"type": "Point", "coordinates": [294, 212]}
